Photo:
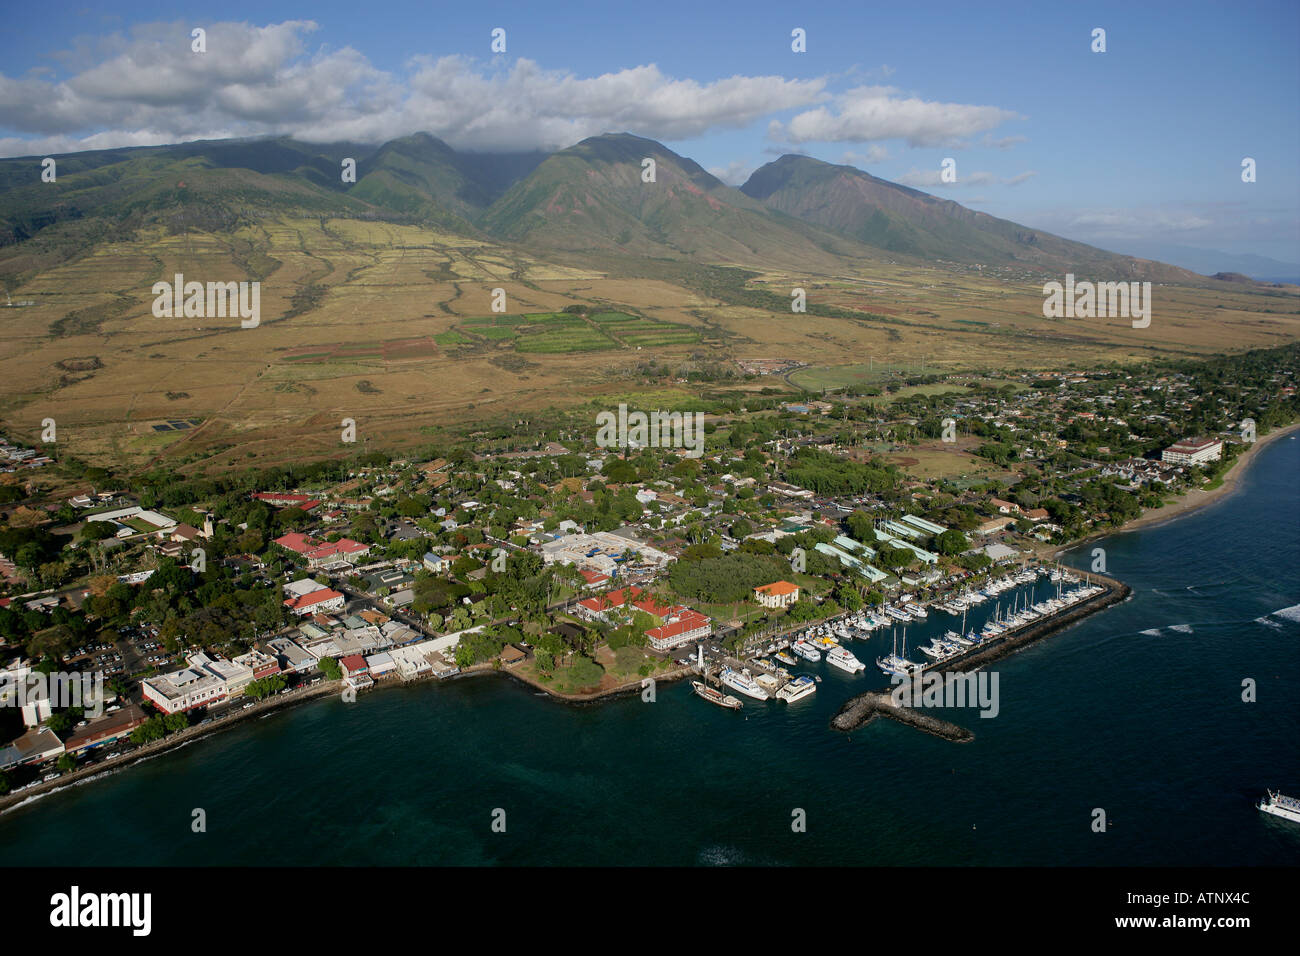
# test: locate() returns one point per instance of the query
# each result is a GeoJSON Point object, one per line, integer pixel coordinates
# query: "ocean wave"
{"type": "Point", "coordinates": [1268, 623]}
{"type": "Point", "coordinates": [1181, 628]}
{"type": "Point", "coordinates": [1152, 632]}
{"type": "Point", "coordinates": [1291, 613]}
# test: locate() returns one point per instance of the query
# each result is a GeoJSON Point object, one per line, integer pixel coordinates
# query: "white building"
{"type": "Point", "coordinates": [1193, 451]}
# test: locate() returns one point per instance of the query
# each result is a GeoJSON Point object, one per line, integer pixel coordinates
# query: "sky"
{"type": "Point", "coordinates": [1132, 148]}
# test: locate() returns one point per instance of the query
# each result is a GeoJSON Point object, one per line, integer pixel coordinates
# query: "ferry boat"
{"type": "Point", "coordinates": [743, 682]}
{"type": "Point", "coordinates": [898, 615]}
{"type": "Point", "coordinates": [714, 696]}
{"type": "Point", "coordinates": [916, 610]}
{"type": "Point", "coordinates": [1288, 808]}
{"type": "Point", "coordinates": [806, 651]}
{"type": "Point", "coordinates": [785, 658]}
{"type": "Point", "coordinates": [800, 687]}
{"type": "Point", "coordinates": [845, 661]}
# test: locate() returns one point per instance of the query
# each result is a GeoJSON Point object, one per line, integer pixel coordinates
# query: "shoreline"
{"type": "Point", "coordinates": [1190, 501]}
{"type": "Point", "coordinates": [864, 708]}
{"type": "Point", "coordinates": [181, 738]}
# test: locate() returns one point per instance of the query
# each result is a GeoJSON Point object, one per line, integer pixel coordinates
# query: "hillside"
{"type": "Point", "coordinates": [591, 198]}
{"type": "Point", "coordinates": [908, 222]}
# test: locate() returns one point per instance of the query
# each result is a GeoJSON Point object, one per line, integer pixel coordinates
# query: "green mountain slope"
{"type": "Point", "coordinates": [908, 222]}
{"type": "Point", "coordinates": [591, 198]}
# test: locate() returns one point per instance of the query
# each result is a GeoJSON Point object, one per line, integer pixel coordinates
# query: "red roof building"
{"type": "Point", "coordinates": [278, 500]}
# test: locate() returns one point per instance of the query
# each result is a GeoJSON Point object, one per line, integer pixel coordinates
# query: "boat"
{"type": "Point", "coordinates": [714, 696]}
{"type": "Point", "coordinates": [800, 687]}
{"type": "Point", "coordinates": [916, 610]}
{"type": "Point", "coordinates": [845, 660]}
{"type": "Point", "coordinates": [769, 682]}
{"type": "Point", "coordinates": [785, 658]}
{"type": "Point", "coordinates": [931, 652]}
{"type": "Point", "coordinates": [1288, 808]}
{"type": "Point", "coordinates": [806, 651]}
{"type": "Point", "coordinates": [743, 682]}
{"type": "Point", "coordinates": [893, 662]}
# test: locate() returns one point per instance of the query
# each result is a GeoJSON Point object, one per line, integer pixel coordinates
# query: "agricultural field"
{"type": "Point", "coordinates": [391, 325]}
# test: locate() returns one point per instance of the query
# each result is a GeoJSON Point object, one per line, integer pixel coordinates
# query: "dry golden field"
{"type": "Point", "coordinates": [372, 321]}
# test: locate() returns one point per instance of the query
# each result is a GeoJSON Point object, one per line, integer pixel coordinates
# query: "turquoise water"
{"type": "Point", "coordinates": [1136, 710]}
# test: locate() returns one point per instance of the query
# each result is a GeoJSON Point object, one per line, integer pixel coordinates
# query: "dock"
{"type": "Point", "coordinates": [864, 708]}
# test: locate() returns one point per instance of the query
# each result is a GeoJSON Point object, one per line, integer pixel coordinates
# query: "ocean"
{"type": "Point", "coordinates": [1137, 711]}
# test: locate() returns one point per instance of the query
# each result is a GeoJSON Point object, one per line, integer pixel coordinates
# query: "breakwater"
{"type": "Point", "coordinates": [864, 708]}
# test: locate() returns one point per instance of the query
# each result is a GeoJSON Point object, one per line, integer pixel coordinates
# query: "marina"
{"type": "Point", "coordinates": [997, 615]}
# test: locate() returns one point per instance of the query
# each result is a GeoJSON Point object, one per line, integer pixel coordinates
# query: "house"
{"type": "Point", "coordinates": [436, 563]}
{"type": "Point", "coordinates": [1005, 507]}
{"type": "Point", "coordinates": [993, 525]}
{"type": "Point", "coordinates": [1037, 514]}
{"type": "Point", "coordinates": [512, 655]}
{"type": "Point", "coordinates": [777, 594]}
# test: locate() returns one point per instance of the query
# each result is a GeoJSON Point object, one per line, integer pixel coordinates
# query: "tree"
{"type": "Point", "coordinates": [330, 668]}
{"type": "Point", "coordinates": [66, 763]}
{"type": "Point", "coordinates": [951, 543]}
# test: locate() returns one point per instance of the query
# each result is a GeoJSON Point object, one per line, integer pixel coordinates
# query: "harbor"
{"type": "Point", "coordinates": [1020, 614]}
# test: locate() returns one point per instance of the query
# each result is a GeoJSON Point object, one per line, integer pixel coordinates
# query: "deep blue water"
{"type": "Point", "coordinates": [1137, 710]}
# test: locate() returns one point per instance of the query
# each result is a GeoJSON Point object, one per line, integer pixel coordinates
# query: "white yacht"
{"type": "Point", "coordinates": [800, 687]}
{"type": "Point", "coordinates": [806, 651]}
{"type": "Point", "coordinates": [741, 681]}
{"type": "Point", "coordinates": [844, 660]}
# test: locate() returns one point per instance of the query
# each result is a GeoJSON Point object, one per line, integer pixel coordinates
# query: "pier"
{"type": "Point", "coordinates": [864, 708]}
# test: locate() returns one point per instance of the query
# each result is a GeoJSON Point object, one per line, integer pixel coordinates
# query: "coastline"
{"type": "Point", "coordinates": [1187, 503]}
{"type": "Point", "coordinates": [1192, 500]}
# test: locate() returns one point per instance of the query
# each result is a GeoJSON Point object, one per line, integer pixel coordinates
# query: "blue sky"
{"type": "Point", "coordinates": [1139, 145]}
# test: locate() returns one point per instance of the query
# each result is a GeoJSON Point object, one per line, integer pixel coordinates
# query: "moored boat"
{"type": "Point", "coordinates": [714, 696]}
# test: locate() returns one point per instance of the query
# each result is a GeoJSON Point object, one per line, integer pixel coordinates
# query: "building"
{"type": "Point", "coordinates": [36, 746]}
{"type": "Point", "coordinates": [261, 665]}
{"type": "Point", "coordinates": [1193, 451]}
{"type": "Point", "coordinates": [200, 684]}
{"type": "Point", "coordinates": [681, 626]}
{"type": "Point", "coordinates": [320, 553]}
{"type": "Point", "coordinates": [777, 594]}
{"type": "Point", "coordinates": [993, 525]}
{"type": "Point", "coordinates": [597, 608]}
{"type": "Point", "coordinates": [320, 600]}
{"type": "Point", "coordinates": [106, 730]}
{"type": "Point", "coordinates": [436, 563]}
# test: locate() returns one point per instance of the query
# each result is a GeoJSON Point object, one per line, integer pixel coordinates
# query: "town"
{"type": "Point", "coordinates": [580, 569]}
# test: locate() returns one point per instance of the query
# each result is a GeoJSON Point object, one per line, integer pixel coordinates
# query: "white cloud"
{"type": "Point", "coordinates": [931, 178]}
{"type": "Point", "coordinates": [734, 173]}
{"type": "Point", "coordinates": [871, 113]}
{"type": "Point", "coordinates": [149, 88]}
{"type": "Point", "coordinates": [875, 153]}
